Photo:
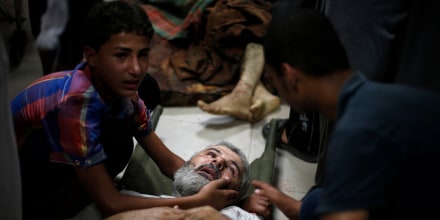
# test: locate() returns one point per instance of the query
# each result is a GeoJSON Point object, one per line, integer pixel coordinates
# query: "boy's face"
{"type": "Point", "coordinates": [120, 65]}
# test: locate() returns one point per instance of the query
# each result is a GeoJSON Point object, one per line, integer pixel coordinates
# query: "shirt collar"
{"type": "Point", "coordinates": [356, 80]}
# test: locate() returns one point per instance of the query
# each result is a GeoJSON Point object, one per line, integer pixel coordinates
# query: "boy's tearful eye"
{"type": "Point", "coordinates": [120, 55]}
{"type": "Point", "coordinates": [143, 53]}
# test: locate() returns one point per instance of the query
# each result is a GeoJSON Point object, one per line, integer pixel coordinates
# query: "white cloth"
{"type": "Point", "coordinates": [232, 212]}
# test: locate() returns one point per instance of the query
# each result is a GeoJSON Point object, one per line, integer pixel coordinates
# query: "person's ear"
{"type": "Point", "coordinates": [290, 75]}
{"type": "Point", "coordinates": [90, 55]}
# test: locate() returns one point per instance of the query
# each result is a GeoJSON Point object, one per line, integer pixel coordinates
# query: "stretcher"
{"type": "Point", "coordinates": [142, 174]}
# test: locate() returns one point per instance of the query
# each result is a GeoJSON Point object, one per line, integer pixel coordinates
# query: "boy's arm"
{"type": "Point", "coordinates": [100, 188]}
{"type": "Point", "coordinates": [167, 161]}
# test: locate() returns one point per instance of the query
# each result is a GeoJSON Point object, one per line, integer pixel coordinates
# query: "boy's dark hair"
{"type": "Point", "coordinates": [108, 18]}
{"type": "Point", "coordinates": [305, 39]}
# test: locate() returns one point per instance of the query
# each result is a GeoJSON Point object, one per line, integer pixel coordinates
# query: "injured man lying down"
{"type": "Point", "coordinates": [218, 160]}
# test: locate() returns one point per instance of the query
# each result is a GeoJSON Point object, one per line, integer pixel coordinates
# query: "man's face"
{"type": "Point", "coordinates": [209, 164]}
{"type": "Point", "coordinates": [277, 81]}
{"type": "Point", "coordinates": [287, 87]}
{"type": "Point", "coordinates": [120, 65]}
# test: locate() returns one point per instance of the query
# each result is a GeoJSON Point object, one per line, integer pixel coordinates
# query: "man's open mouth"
{"type": "Point", "coordinates": [209, 171]}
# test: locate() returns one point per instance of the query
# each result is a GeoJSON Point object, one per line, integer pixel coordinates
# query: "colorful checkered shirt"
{"type": "Point", "coordinates": [65, 108]}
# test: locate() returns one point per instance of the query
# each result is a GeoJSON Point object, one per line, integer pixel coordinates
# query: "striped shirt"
{"type": "Point", "coordinates": [63, 110]}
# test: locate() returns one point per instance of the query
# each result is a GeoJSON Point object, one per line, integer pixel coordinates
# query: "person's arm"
{"type": "Point", "coordinates": [110, 201]}
{"type": "Point", "coordinates": [257, 204]}
{"type": "Point", "coordinates": [167, 161]}
{"type": "Point", "coordinates": [347, 215]}
{"type": "Point", "coordinates": [289, 206]}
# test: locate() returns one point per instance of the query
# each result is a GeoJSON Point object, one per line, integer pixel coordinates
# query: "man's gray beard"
{"type": "Point", "coordinates": [187, 182]}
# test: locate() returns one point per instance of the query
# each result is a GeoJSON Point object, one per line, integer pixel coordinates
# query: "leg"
{"type": "Point", "coordinates": [368, 31]}
{"type": "Point", "coordinates": [263, 102]}
{"type": "Point", "coordinates": [239, 102]}
{"type": "Point", "coordinates": [418, 58]}
{"type": "Point", "coordinates": [10, 184]}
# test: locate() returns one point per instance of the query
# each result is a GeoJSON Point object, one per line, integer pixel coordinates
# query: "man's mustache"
{"type": "Point", "coordinates": [211, 169]}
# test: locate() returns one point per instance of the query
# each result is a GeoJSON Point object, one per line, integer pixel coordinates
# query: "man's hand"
{"type": "Point", "coordinates": [288, 205]}
{"type": "Point", "coordinates": [215, 194]}
{"type": "Point", "coordinates": [257, 204]}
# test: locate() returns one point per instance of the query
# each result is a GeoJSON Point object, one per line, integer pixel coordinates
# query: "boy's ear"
{"type": "Point", "coordinates": [90, 55]}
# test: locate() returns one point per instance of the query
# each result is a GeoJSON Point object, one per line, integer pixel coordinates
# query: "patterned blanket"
{"type": "Point", "coordinates": [198, 46]}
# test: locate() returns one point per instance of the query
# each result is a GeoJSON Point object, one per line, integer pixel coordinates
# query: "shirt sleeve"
{"type": "Point", "coordinates": [359, 168]}
{"type": "Point", "coordinates": [142, 119]}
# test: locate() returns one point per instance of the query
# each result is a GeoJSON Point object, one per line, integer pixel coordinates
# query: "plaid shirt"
{"type": "Point", "coordinates": [65, 108]}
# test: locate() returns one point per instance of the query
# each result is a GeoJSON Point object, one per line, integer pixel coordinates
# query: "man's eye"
{"type": "Point", "coordinates": [232, 170]}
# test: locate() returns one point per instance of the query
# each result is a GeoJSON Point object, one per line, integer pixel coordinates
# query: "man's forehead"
{"type": "Point", "coordinates": [225, 151]}
{"type": "Point", "coordinates": [221, 149]}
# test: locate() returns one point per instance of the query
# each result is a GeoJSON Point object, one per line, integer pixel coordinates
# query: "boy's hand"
{"type": "Point", "coordinates": [215, 194]}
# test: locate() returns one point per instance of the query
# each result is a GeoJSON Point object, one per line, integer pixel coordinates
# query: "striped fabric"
{"type": "Point", "coordinates": [174, 25]}
{"type": "Point", "coordinates": [63, 110]}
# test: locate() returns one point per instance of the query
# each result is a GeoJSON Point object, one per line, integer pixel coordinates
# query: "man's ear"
{"type": "Point", "coordinates": [290, 75]}
{"type": "Point", "coordinates": [90, 55]}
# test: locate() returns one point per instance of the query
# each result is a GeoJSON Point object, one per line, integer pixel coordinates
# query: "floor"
{"type": "Point", "coordinates": [186, 129]}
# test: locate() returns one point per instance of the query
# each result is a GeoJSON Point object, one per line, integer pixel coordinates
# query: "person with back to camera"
{"type": "Point", "coordinates": [382, 153]}
{"type": "Point", "coordinates": [67, 158]}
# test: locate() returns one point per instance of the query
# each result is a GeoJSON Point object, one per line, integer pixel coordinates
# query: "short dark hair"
{"type": "Point", "coordinates": [305, 39]}
{"type": "Point", "coordinates": [108, 18]}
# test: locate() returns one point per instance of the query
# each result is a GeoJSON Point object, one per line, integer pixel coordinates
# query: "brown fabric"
{"type": "Point", "coordinates": [206, 65]}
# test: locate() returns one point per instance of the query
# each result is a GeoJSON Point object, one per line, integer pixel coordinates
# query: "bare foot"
{"type": "Point", "coordinates": [238, 103]}
{"type": "Point", "coordinates": [263, 103]}
{"type": "Point", "coordinates": [235, 104]}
